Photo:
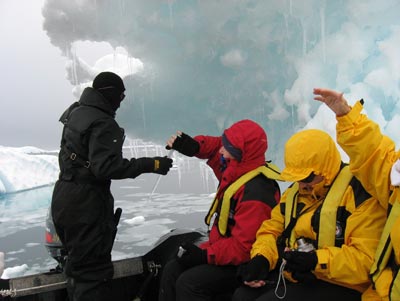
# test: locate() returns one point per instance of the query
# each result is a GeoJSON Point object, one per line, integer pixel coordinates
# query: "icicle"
{"type": "Point", "coordinates": [114, 58]}
{"type": "Point", "coordinates": [322, 17]}
{"type": "Point", "coordinates": [136, 148]}
{"type": "Point", "coordinates": [151, 87]}
{"type": "Point", "coordinates": [287, 31]}
{"type": "Point", "coordinates": [69, 56]}
{"type": "Point", "coordinates": [180, 172]}
{"type": "Point", "coordinates": [159, 177]}
{"type": "Point", "coordinates": [74, 63]}
{"type": "Point", "coordinates": [132, 148]}
{"type": "Point", "coordinates": [96, 12]}
{"type": "Point", "coordinates": [143, 114]}
{"type": "Point", "coordinates": [292, 112]}
{"type": "Point", "coordinates": [122, 7]}
{"type": "Point", "coordinates": [304, 26]}
{"type": "Point", "coordinates": [171, 23]}
{"type": "Point", "coordinates": [204, 176]}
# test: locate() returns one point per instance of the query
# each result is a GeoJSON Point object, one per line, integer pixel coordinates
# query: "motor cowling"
{"type": "Point", "coordinates": [53, 243]}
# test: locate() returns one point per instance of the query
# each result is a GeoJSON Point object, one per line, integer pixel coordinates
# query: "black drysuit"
{"type": "Point", "coordinates": [82, 204]}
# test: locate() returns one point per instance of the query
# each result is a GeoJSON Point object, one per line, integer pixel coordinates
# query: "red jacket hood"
{"type": "Point", "coordinates": [251, 139]}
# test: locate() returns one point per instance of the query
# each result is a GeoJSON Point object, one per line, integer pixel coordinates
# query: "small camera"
{"type": "Point", "coordinates": [304, 246]}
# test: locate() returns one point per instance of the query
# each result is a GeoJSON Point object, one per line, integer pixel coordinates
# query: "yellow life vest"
{"type": "Point", "coordinates": [327, 221]}
{"type": "Point", "coordinates": [383, 253]}
{"type": "Point", "coordinates": [270, 171]}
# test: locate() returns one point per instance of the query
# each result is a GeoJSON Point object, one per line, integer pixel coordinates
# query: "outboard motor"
{"type": "Point", "coordinates": [53, 244]}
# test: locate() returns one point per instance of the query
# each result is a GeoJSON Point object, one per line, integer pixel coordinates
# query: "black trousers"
{"type": "Point", "coordinates": [89, 290]}
{"type": "Point", "coordinates": [202, 282]}
{"type": "Point", "coordinates": [84, 220]}
{"type": "Point", "coordinates": [316, 290]}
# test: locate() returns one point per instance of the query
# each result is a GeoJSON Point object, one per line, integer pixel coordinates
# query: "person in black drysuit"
{"type": "Point", "coordinates": [82, 204]}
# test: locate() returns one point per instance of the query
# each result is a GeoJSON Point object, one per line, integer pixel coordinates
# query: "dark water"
{"type": "Point", "coordinates": [180, 200]}
{"type": "Point", "coordinates": [22, 221]}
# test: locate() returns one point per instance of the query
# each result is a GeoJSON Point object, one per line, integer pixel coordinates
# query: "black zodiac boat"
{"type": "Point", "coordinates": [134, 278]}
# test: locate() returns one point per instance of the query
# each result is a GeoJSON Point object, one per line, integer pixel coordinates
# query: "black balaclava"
{"type": "Point", "coordinates": [111, 86]}
{"type": "Point", "coordinates": [234, 151]}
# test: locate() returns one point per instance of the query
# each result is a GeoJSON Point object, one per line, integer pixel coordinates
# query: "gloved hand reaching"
{"type": "Point", "coordinates": [300, 261]}
{"type": "Point", "coordinates": [159, 165]}
{"type": "Point", "coordinates": [162, 165]}
{"type": "Point", "coordinates": [192, 255]}
{"type": "Point", "coordinates": [185, 144]}
{"type": "Point", "coordinates": [256, 269]}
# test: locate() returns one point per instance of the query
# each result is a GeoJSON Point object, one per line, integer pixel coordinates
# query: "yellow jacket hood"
{"type": "Point", "coordinates": [311, 151]}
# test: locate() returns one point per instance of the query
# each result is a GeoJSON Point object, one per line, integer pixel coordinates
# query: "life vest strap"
{"type": "Point", "coordinates": [269, 170]}
{"type": "Point", "coordinates": [327, 226]}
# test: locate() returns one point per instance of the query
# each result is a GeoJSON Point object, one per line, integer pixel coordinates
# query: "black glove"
{"type": "Point", "coordinates": [162, 165]}
{"type": "Point", "coordinates": [192, 255]}
{"type": "Point", "coordinates": [304, 277]}
{"type": "Point", "coordinates": [300, 261]}
{"type": "Point", "coordinates": [256, 269]}
{"type": "Point", "coordinates": [159, 165]}
{"type": "Point", "coordinates": [186, 145]}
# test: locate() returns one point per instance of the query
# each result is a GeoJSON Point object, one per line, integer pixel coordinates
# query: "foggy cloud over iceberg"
{"type": "Point", "coordinates": [206, 64]}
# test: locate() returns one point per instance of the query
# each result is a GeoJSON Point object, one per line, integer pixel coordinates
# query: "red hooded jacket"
{"type": "Point", "coordinates": [253, 201]}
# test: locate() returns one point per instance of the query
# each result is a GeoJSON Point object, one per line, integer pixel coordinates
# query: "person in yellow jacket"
{"type": "Point", "coordinates": [376, 163]}
{"type": "Point", "coordinates": [326, 230]}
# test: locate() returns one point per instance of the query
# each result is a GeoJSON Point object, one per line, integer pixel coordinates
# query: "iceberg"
{"type": "Point", "coordinates": [207, 64]}
{"type": "Point", "coordinates": [26, 168]}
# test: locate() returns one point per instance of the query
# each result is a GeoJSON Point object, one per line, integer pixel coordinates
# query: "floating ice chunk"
{"type": "Point", "coordinates": [14, 272]}
{"type": "Point", "coordinates": [137, 220]}
{"type": "Point", "coordinates": [1, 263]}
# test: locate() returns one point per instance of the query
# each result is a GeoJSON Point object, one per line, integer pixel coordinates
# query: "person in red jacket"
{"type": "Point", "coordinates": [246, 194]}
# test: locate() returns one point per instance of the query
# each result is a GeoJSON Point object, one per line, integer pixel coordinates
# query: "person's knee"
{"type": "Point", "coordinates": [237, 295]}
{"type": "Point", "coordinates": [187, 285]}
{"type": "Point", "coordinates": [169, 275]}
{"type": "Point", "coordinates": [182, 283]}
{"type": "Point", "coordinates": [171, 272]}
{"type": "Point", "coordinates": [242, 294]}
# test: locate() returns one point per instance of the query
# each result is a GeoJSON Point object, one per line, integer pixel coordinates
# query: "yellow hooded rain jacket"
{"type": "Point", "coordinates": [359, 217]}
{"type": "Point", "coordinates": [372, 156]}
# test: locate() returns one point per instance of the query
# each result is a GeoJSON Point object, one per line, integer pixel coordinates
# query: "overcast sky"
{"type": "Point", "coordinates": [34, 90]}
